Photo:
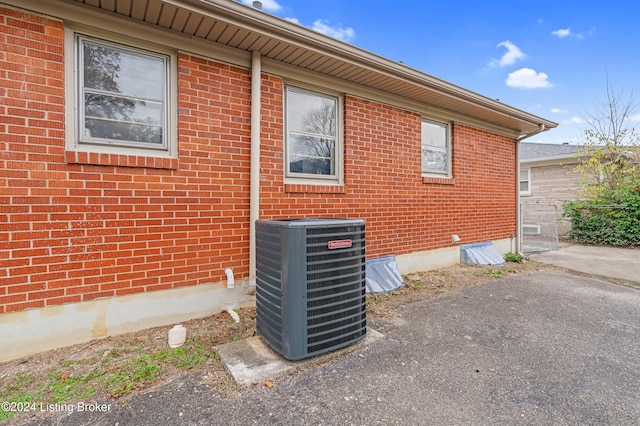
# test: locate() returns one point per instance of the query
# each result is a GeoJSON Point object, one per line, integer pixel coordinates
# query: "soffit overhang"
{"type": "Point", "coordinates": [237, 26]}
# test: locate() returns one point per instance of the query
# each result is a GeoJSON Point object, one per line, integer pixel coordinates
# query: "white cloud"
{"type": "Point", "coordinates": [635, 117]}
{"type": "Point", "coordinates": [574, 120]}
{"type": "Point", "coordinates": [566, 32]}
{"type": "Point", "coordinates": [561, 32]}
{"type": "Point", "coordinates": [558, 110]}
{"type": "Point", "coordinates": [270, 5]}
{"type": "Point", "coordinates": [511, 56]}
{"type": "Point", "coordinates": [322, 26]}
{"type": "Point", "coordinates": [527, 78]}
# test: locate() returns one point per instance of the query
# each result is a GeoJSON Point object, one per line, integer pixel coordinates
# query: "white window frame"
{"type": "Point", "coordinates": [446, 149]}
{"type": "Point", "coordinates": [337, 155]}
{"type": "Point", "coordinates": [76, 137]}
{"type": "Point", "coordinates": [528, 180]}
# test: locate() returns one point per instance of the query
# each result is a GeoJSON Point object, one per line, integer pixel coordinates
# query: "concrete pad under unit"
{"type": "Point", "coordinates": [253, 361]}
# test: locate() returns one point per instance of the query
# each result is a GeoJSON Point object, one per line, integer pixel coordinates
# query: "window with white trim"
{"type": "Point", "coordinates": [313, 142]}
{"type": "Point", "coordinates": [122, 98]}
{"type": "Point", "coordinates": [525, 182]}
{"type": "Point", "coordinates": [436, 148]}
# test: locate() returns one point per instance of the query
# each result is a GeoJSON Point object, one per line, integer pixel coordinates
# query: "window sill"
{"type": "Point", "coordinates": [304, 188]}
{"type": "Point", "coordinates": [438, 180]}
{"type": "Point", "coordinates": [120, 160]}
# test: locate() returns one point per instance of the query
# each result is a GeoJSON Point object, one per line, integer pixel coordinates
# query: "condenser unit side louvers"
{"type": "Point", "coordinates": [310, 284]}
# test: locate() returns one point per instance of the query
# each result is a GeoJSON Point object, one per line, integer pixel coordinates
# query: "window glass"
{"type": "Point", "coordinates": [524, 181]}
{"type": "Point", "coordinates": [435, 147]}
{"type": "Point", "coordinates": [312, 134]}
{"type": "Point", "coordinates": [123, 95]}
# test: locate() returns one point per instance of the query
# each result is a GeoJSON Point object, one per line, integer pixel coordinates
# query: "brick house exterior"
{"type": "Point", "coordinates": [96, 242]}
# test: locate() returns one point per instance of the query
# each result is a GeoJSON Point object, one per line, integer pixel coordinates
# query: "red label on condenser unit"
{"type": "Point", "coordinates": [338, 244]}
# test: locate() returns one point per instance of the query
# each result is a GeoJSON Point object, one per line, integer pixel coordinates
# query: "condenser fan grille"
{"type": "Point", "coordinates": [334, 286]}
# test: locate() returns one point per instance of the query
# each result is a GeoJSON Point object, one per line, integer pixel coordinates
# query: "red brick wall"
{"type": "Point", "coordinates": [404, 212]}
{"type": "Point", "coordinates": [77, 227]}
{"type": "Point", "coordinates": [71, 232]}
{"type": "Point", "coordinates": [32, 190]}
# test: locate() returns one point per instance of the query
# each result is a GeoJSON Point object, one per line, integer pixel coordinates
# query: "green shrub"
{"type": "Point", "coordinates": [513, 257]}
{"type": "Point", "coordinates": [611, 218]}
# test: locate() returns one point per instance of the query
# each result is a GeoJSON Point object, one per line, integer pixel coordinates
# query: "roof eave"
{"type": "Point", "coordinates": [328, 56]}
{"type": "Point", "coordinates": [281, 29]}
{"type": "Point", "coordinates": [554, 158]}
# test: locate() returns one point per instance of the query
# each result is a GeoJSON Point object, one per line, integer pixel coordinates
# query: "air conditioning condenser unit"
{"type": "Point", "coordinates": [310, 284]}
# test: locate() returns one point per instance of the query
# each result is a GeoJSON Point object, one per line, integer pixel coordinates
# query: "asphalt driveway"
{"type": "Point", "coordinates": [543, 348]}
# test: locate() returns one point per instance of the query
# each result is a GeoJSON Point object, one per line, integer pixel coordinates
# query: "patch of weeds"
{"type": "Point", "coordinates": [116, 371]}
{"type": "Point", "coordinates": [368, 303]}
{"type": "Point", "coordinates": [191, 355]}
{"type": "Point", "coordinates": [147, 367]}
{"type": "Point", "coordinates": [190, 360]}
{"type": "Point", "coordinates": [513, 257]}
{"type": "Point", "coordinates": [63, 387]}
{"type": "Point", "coordinates": [58, 388]}
{"type": "Point", "coordinates": [118, 382]}
{"type": "Point", "coordinates": [20, 399]}
{"type": "Point", "coordinates": [204, 329]}
{"type": "Point", "coordinates": [16, 392]}
{"type": "Point", "coordinates": [232, 339]}
{"type": "Point", "coordinates": [415, 284]}
{"type": "Point", "coordinates": [215, 355]}
{"type": "Point", "coordinates": [110, 354]}
{"type": "Point", "coordinates": [375, 299]}
{"type": "Point", "coordinates": [122, 380]}
{"type": "Point", "coordinates": [495, 273]}
{"type": "Point", "coordinates": [500, 273]}
{"type": "Point", "coordinates": [230, 383]}
{"type": "Point", "coordinates": [19, 381]}
{"type": "Point", "coordinates": [195, 355]}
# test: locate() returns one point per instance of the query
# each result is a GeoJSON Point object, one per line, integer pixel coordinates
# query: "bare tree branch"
{"type": "Point", "coordinates": [611, 146]}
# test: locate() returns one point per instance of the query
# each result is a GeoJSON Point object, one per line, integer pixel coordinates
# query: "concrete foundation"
{"type": "Point", "coordinates": [441, 258]}
{"type": "Point", "coordinates": [37, 330]}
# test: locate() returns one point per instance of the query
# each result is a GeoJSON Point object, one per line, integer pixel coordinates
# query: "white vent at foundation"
{"type": "Point", "coordinates": [531, 229]}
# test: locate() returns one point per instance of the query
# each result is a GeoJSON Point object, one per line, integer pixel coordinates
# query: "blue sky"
{"type": "Point", "coordinates": [548, 58]}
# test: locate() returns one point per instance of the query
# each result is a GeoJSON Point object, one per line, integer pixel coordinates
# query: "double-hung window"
{"type": "Point", "coordinates": [122, 98]}
{"type": "Point", "coordinates": [436, 148]}
{"type": "Point", "coordinates": [313, 142]}
{"type": "Point", "coordinates": [525, 182]}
